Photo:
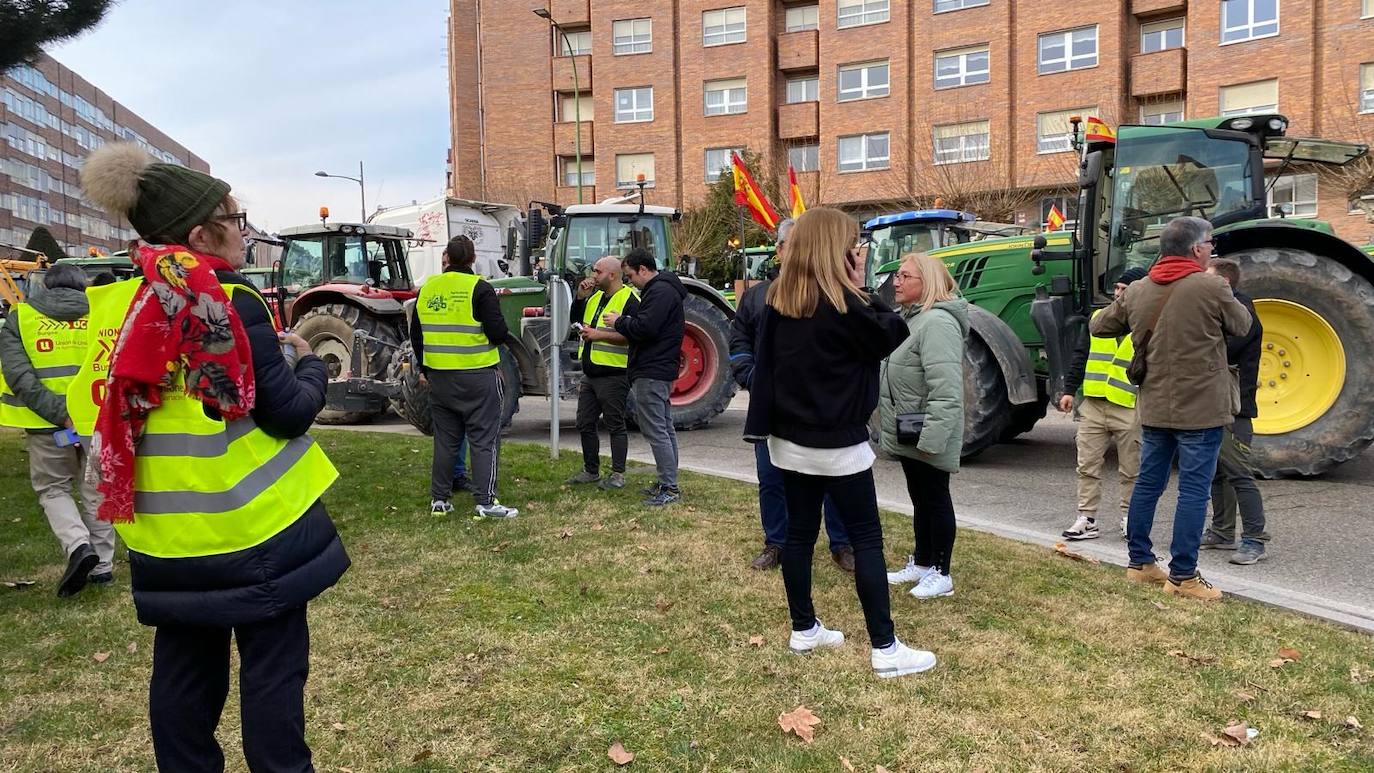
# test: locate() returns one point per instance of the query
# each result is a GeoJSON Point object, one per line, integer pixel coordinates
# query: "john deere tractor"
{"type": "Point", "coordinates": [1314, 292]}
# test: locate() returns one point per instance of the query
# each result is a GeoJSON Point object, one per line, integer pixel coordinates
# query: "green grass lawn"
{"type": "Point", "coordinates": [535, 644]}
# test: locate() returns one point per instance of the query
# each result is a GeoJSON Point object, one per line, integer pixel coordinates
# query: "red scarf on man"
{"type": "Point", "coordinates": [181, 322]}
{"type": "Point", "coordinates": [1173, 268]}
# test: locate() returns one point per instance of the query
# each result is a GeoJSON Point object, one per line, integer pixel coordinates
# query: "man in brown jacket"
{"type": "Point", "coordinates": [1186, 399]}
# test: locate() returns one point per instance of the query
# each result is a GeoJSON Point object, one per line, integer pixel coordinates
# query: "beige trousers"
{"type": "Point", "coordinates": [52, 471]}
{"type": "Point", "coordinates": [1101, 424]}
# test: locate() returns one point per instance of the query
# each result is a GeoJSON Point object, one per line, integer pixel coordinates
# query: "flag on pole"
{"type": "Point", "coordinates": [798, 206]}
{"type": "Point", "coordinates": [1055, 220]}
{"type": "Point", "coordinates": [748, 195]}
{"type": "Point", "coordinates": [1097, 131]}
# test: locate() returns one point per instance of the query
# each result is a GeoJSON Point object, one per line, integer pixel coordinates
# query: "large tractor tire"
{"type": "Point", "coordinates": [1316, 390]}
{"type": "Point", "coordinates": [413, 403]}
{"type": "Point", "coordinates": [329, 330]}
{"type": "Point", "coordinates": [704, 387]}
{"type": "Point", "coordinates": [1025, 417]}
{"type": "Point", "coordinates": [987, 411]}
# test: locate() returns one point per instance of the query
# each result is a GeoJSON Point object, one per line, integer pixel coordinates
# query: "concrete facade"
{"type": "Point", "coordinates": [508, 88]}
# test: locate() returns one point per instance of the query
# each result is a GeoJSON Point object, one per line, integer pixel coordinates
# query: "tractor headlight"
{"type": "Point", "coordinates": [1241, 124]}
{"type": "Point", "coordinates": [1277, 125]}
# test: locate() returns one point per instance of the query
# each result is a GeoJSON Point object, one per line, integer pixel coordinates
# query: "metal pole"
{"type": "Point", "coordinates": [555, 359]}
{"type": "Point", "coordinates": [744, 259]}
{"type": "Point", "coordinates": [362, 191]}
{"type": "Point", "coordinates": [577, 105]}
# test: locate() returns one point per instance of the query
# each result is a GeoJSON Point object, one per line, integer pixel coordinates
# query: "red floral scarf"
{"type": "Point", "coordinates": [181, 322]}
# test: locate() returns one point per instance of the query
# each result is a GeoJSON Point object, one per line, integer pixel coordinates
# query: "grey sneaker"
{"type": "Point", "coordinates": [583, 477]}
{"type": "Point", "coordinates": [651, 490]}
{"type": "Point", "coordinates": [665, 496]}
{"type": "Point", "coordinates": [614, 480]}
{"type": "Point", "coordinates": [440, 507]}
{"type": "Point", "coordinates": [496, 510]}
{"type": "Point", "coordinates": [1213, 541]}
{"type": "Point", "coordinates": [1249, 553]}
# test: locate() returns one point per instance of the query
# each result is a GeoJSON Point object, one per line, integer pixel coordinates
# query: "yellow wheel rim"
{"type": "Point", "coordinates": [1301, 368]}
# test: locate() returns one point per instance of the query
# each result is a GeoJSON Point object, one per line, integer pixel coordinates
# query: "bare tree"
{"type": "Point", "coordinates": [1356, 179]}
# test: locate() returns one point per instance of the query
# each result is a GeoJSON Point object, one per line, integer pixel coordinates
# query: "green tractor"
{"type": "Point", "coordinates": [568, 242]}
{"type": "Point", "coordinates": [1313, 291]}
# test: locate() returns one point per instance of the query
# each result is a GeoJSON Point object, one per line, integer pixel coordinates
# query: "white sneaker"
{"type": "Point", "coordinates": [496, 510]}
{"type": "Point", "coordinates": [820, 636]}
{"type": "Point", "coordinates": [933, 585]}
{"type": "Point", "coordinates": [912, 572]}
{"type": "Point", "coordinates": [1083, 528]}
{"type": "Point", "coordinates": [440, 507]}
{"type": "Point", "coordinates": [902, 660]}
{"type": "Point", "coordinates": [1123, 528]}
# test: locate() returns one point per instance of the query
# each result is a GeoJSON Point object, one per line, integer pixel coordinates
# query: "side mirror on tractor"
{"type": "Point", "coordinates": [1037, 253]}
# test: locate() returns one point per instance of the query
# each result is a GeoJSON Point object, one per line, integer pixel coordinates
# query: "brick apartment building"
{"type": "Point", "coordinates": [50, 119]}
{"type": "Point", "coordinates": [878, 103]}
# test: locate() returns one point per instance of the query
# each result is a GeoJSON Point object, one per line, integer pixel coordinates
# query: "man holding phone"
{"type": "Point", "coordinates": [605, 356]}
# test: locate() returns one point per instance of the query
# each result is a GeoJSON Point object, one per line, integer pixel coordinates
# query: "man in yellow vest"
{"type": "Point", "coordinates": [605, 355]}
{"type": "Point", "coordinates": [41, 348]}
{"type": "Point", "coordinates": [1106, 417]}
{"type": "Point", "coordinates": [456, 332]}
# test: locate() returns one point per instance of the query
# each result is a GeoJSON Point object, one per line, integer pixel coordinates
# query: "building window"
{"type": "Point", "coordinates": [1158, 113]}
{"type": "Point", "coordinates": [1297, 194]}
{"type": "Point", "coordinates": [723, 26]}
{"type": "Point", "coordinates": [579, 43]}
{"type": "Point", "coordinates": [1161, 36]}
{"type": "Point", "coordinates": [634, 105]}
{"type": "Point", "coordinates": [863, 81]}
{"type": "Point", "coordinates": [864, 152]}
{"type": "Point", "coordinates": [962, 67]}
{"type": "Point", "coordinates": [804, 158]}
{"type": "Point", "coordinates": [579, 109]}
{"type": "Point", "coordinates": [573, 174]}
{"type": "Point", "coordinates": [1367, 9]}
{"type": "Point", "coordinates": [1068, 207]}
{"type": "Point", "coordinates": [1256, 97]}
{"type": "Point", "coordinates": [628, 167]}
{"type": "Point", "coordinates": [1367, 87]}
{"type": "Point", "coordinates": [726, 97]}
{"type": "Point", "coordinates": [804, 89]}
{"type": "Point", "coordinates": [961, 142]}
{"type": "Point", "coordinates": [1248, 19]}
{"type": "Point", "coordinates": [632, 36]}
{"type": "Point", "coordinates": [718, 162]}
{"type": "Point", "coordinates": [1068, 50]}
{"type": "Point", "coordinates": [955, 5]}
{"type": "Point", "coordinates": [856, 13]}
{"type": "Point", "coordinates": [1053, 129]}
{"type": "Point", "coordinates": [801, 17]}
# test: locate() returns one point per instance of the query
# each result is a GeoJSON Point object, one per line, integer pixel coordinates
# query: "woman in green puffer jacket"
{"type": "Point", "coordinates": [925, 375]}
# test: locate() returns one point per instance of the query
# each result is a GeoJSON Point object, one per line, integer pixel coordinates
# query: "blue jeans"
{"type": "Point", "coordinates": [1196, 451]}
{"type": "Point", "coordinates": [773, 505]}
{"type": "Point", "coordinates": [460, 464]}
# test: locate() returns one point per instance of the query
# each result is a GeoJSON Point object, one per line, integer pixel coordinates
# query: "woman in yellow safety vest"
{"type": "Point", "coordinates": [199, 424]}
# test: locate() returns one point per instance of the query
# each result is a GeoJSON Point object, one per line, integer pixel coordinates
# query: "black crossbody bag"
{"type": "Point", "coordinates": [909, 425]}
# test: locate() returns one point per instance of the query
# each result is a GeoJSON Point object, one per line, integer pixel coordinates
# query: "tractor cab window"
{"type": "Point", "coordinates": [303, 262]}
{"type": "Point", "coordinates": [891, 242]}
{"type": "Point", "coordinates": [589, 237]}
{"type": "Point", "coordinates": [362, 260]}
{"type": "Point", "coordinates": [1164, 173]}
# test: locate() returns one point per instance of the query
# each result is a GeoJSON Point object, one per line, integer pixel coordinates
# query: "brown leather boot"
{"type": "Point", "coordinates": [1147, 573]}
{"type": "Point", "coordinates": [768, 559]}
{"type": "Point", "coordinates": [1194, 588]}
{"type": "Point", "coordinates": [844, 558]}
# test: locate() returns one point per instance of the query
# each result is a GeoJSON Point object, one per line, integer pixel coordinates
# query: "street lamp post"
{"type": "Point", "coordinates": [543, 13]}
{"type": "Point", "coordinates": [362, 190]}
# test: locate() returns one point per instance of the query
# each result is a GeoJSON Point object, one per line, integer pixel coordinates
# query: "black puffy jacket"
{"type": "Point", "coordinates": [289, 569]}
{"type": "Point", "coordinates": [655, 329]}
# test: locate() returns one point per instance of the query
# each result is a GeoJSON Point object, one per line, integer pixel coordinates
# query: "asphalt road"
{"type": "Point", "coordinates": [1323, 528]}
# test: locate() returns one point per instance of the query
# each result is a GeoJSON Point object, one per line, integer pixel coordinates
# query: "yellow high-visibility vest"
{"type": "Point", "coordinates": [605, 353]}
{"type": "Point", "coordinates": [453, 337]}
{"type": "Point", "coordinates": [1105, 375]}
{"type": "Point", "coordinates": [55, 348]}
{"type": "Point", "coordinates": [202, 486]}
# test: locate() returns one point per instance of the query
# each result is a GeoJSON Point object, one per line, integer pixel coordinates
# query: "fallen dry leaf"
{"type": "Point", "coordinates": [471, 656]}
{"type": "Point", "coordinates": [1159, 605]}
{"type": "Point", "coordinates": [661, 651]}
{"type": "Point", "coordinates": [565, 534]}
{"type": "Point", "coordinates": [1359, 676]}
{"type": "Point", "coordinates": [132, 648]}
{"type": "Point", "coordinates": [1197, 660]}
{"type": "Point", "coordinates": [801, 721]}
{"type": "Point", "coordinates": [339, 727]}
{"type": "Point", "coordinates": [1311, 714]}
{"type": "Point", "coordinates": [663, 605]}
{"type": "Point", "coordinates": [1279, 662]}
{"type": "Point", "coordinates": [345, 770]}
{"type": "Point", "coordinates": [846, 764]}
{"type": "Point", "coordinates": [1353, 723]}
{"type": "Point", "coordinates": [756, 640]}
{"type": "Point", "coordinates": [880, 769]}
{"type": "Point", "coordinates": [422, 755]}
{"type": "Point", "coordinates": [17, 584]}
{"type": "Point", "coordinates": [100, 657]}
{"type": "Point", "coordinates": [1289, 653]}
{"type": "Point", "coordinates": [500, 546]}
{"type": "Point", "coordinates": [1244, 697]}
{"type": "Point", "coordinates": [1064, 551]}
{"type": "Point", "coordinates": [1238, 732]}
{"type": "Point", "coordinates": [618, 754]}
{"type": "Point", "coordinates": [598, 527]}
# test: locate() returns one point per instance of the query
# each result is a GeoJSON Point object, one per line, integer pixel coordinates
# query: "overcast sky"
{"type": "Point", "coordinates": [269, 92]}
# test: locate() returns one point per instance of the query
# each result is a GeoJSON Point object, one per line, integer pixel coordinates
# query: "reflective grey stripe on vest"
{"type": "Point", "coordinates": [194, 446]}
{"type": "Point", "coordinates": [610, 348]}
{"type": "Point", "coordinates": [445, 349]}
{"type": "Point", "coordinates": [57, 371]}
{"type": "Point", "coordinates": [428, 328]}
{"type": "Point", "coordinates": [1122, 385]}
{"type": "Point", "coordinates": [1095, 377]}
{"type": "Point", "coordinates": [1108, 356]}
{"type": "Point", "coordinates": [252, 486]}
{"type": "Point", "coordinates": [1123, 364]}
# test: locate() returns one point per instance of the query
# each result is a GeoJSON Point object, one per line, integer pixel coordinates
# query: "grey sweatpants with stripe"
{"type": "Point", "coordinates": [466, 403]}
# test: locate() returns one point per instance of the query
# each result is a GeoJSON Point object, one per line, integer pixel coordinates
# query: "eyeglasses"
{"type": "Point", "coordinates": [239, 219]}
{"type": "Point", "coordinates": [905, 277]}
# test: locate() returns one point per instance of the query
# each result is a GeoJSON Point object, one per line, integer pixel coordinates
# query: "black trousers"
{"type": "Point", "coordinates": [856, 500]}
{"type": "Point", "coordinates": [603, 397]}
{"type": "Point", "coordinates": [933, 518]}
{"type": "Point", "coordinates": [191, 681]}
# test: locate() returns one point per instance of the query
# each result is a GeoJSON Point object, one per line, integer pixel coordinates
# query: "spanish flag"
{"type": "Point", "coordinates": [748, 195]}
{"type": "Point", "coordinates": [798, 206]}
{"type": "Point", "coordinates": [1097, 131]}
{"type": "Point", "coordinates": [1055, 220]}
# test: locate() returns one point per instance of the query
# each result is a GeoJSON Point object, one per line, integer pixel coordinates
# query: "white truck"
{"type": "Point", "coordinates": [489, 226]}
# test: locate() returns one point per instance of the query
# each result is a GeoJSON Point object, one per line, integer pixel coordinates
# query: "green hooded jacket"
{"type": "Point", "coordinates": [926, 375]}
{"type": "Point", "coordinates": [62, 303]}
